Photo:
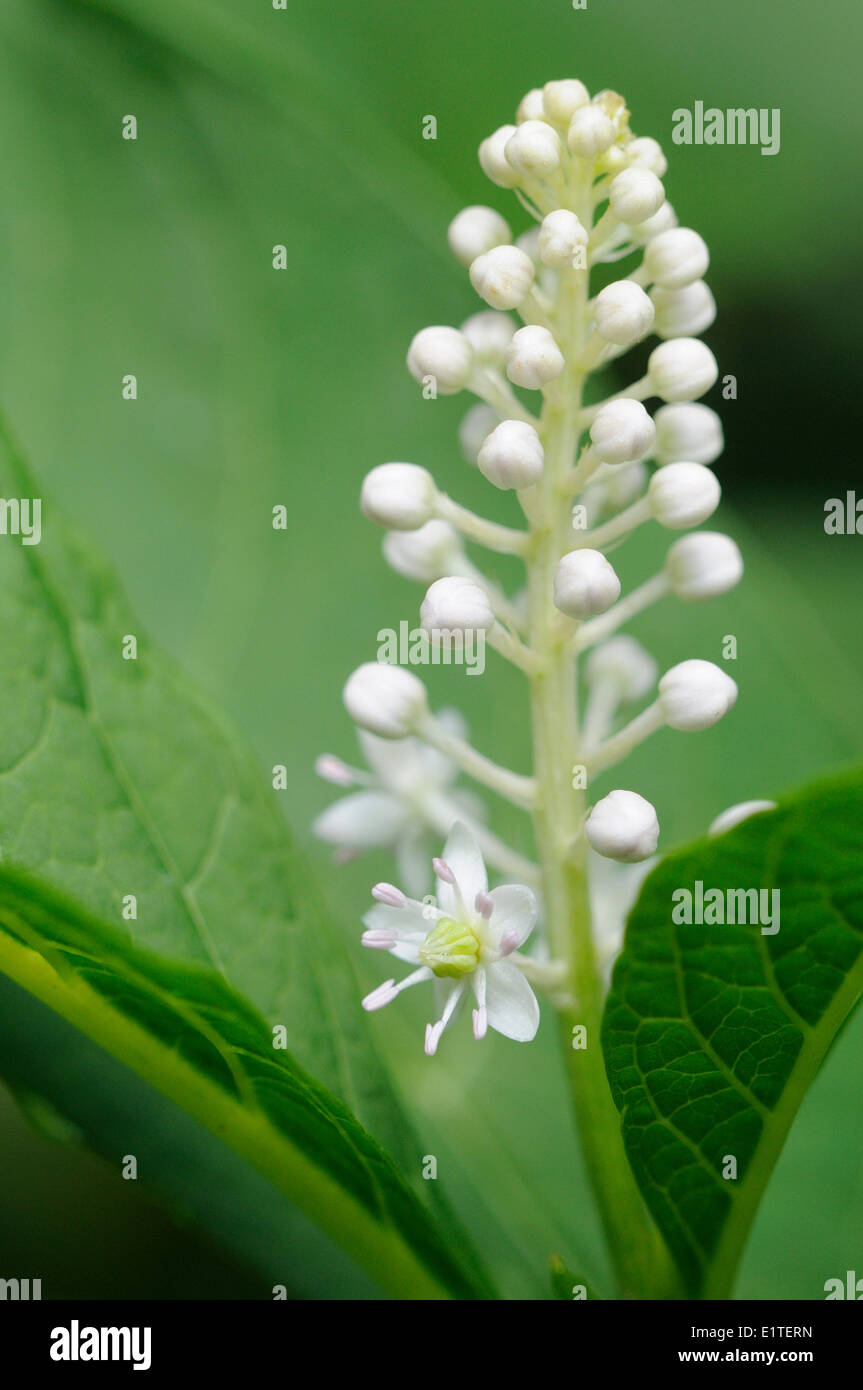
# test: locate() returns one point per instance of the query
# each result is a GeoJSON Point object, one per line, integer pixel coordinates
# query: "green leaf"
{"type": "Point", "coordinates": [197, 1041]}
{"type": "Point", "coordinates": [713, 1034]}
{"type": "Point", "coordinates": [118, 779]}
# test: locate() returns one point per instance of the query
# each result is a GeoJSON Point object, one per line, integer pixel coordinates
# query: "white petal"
{"type": "Point", "coordinates": [462, 854]}
{"type": "Point", "coordinates": [364, 820]}
{"type": "Point", "coordinates": [453, 721]}
{"type": "Point", "coordinates": [440, 770]}
{"type": "Point", "coordinates": [407, 922]}
{"type": "Point", "coordinates": [408, 951]}
{"type": "Point", "coordinates": [396, 762]}
{"type": "Point", "coordinates": [515, 910]}
{"type": "Point", "coordinates": [414, 861]}
{"type": "Point", "coordinates": [511, 1003]}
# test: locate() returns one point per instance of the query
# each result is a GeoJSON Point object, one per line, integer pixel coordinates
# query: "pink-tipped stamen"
{"type": "Point", "coordinates": [443, 871]}
{"type": "Point", "coordinates": [389, 894]}
{"type": "Point", "coordinates": [384, 994]}
{"type": "Point", "coordinates": [332, 769]}
{"type": "Point", "coordinates": [379, 939]}
{"type": "Point", "coordinates": [433, 1036]}
{"type": "Point", "coordinates": [484, 905]}
{"type": "Point", "coordinates": [509, 942]}
{"type": "Point", "coordinates": [345, 854]}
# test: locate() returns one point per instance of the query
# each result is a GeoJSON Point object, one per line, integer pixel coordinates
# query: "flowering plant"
{"type": "Point", "coordinates": [396, 1119]}
{"type": "Point", "coordinates": [578, 463]}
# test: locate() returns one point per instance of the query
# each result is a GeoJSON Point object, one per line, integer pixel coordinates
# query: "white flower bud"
{"type": "Point", "coordinates": [622, 432]}
{"type": "Point", "coordinates": [489, 334]}
{"type": "Point", "coordinates": [475, 428]}
{"type": "Point", "coordinates": [676, 258]}
{"type": "Point", "coordinates": [613, 161]}
{"type": "Point", "coordinates": [626, 664]}
{"type": "Point", "coordinates": [562, 238]}
{"type": "Point", "coordinates": [695, 694]}
{"type": "Point", "coordinates": [682, 369]}
{"type": "Point", "coordinates": [614, 106]}
{"type": "Point", "coordinates": [503, 276]}
{"type": "Point", "coordinates": [683, 494]}
{"type": "Point", "coordinates": [400, 496]}
{"type": "Point", "coordinates": [661, 221]}
{"type": "Point", "coordinates": [646, 153]}
{"type": "Point", "coordinates": [493, 160]}
{"type": "Point", "coordinates": [528, 242]}
{"type": "Point", "coordinates": [590, 132]}
{"type": "Point", "coordinates": [688, 430]}
{"type": "Point", "coordinates": [534, 358]}
{"type": "Point", "coordinates": [622, 313]}
{"type": "Point", "coordinates": [703, 565]}
{"type": "Point", "coordinates": [385, 700]}
{"type": "Point", "coordinates": [512, 456]}
{"type": "Point", "coordinates": [456, 604]}
{"type": "Point", "coordinates": [531, 107]}
{"type": "Point", "coordinates": [425, 554]}
{"type": "Point", "coordinates": [562, 99]}
{"type": "Point", "coordinates": [534, 150]}
{"type": "Point", "coordinates": [585, 584]}
{"type": "Point", "coordinates": [441, 353]}
{"type": "Point", "coordinates": [727, 820]}
{"type": "Point", "coordinates": [476, 230]}
{"type": "Point", "coordinates": [623, 826]}
{"type": "Point", "coordinates": [623, 485]}
{"type": "Point", "coordinates": [635, 195]}
{"type": "Point", "coordinates": [683, 313]}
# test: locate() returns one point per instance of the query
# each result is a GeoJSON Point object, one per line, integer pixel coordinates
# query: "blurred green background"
{"type": "Point", "coordinates": [303, 127]}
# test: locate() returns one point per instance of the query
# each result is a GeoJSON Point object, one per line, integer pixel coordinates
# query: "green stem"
{"type": "Point", "coordinates": [639, 1256]}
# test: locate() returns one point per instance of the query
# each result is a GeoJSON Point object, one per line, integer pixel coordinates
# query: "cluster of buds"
{"type": "Point", "coordinates": [595, 194]}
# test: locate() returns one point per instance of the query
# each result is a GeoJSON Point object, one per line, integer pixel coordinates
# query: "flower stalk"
{"type": "Point", "coordinates": [596, 192]}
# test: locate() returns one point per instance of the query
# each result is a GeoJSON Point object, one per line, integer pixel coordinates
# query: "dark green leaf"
{"type": "Point", "coordinates": [713, 1033]}
{"type": "Point", "coordinates": [186, 1032]}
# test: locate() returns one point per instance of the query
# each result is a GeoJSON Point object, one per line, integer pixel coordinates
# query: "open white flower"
{"type": "Point", "coordinates": [469, 941]}
{"type": "Point", "coordinates": [398, 806]}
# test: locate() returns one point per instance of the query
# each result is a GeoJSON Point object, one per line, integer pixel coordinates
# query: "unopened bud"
{"type": "Point", "coordinates": [503, 276]}
{"type": "Point", "coordinates": [623, 826]}
{"type": "Point", "coordinates": [634, 195]}
{"type": "Point", "coordinates": [694, 695]}
{"type": "Point", "coordinates": [400, 496]}
{"type": "Point", "coordinates": [703, 565]}
{"type": "Point", "coordinates": [475, 230]}
{"type": "Point", "coordinates": [676, 258]}
{"type": "Point", "coordinates": [623, 313]}
{"type": "Point", "coordinates": [682, 369]}
{"type": "Point", "coordinates": [683, 494]}
{"type": "Point", "coordinates": [456, 604]}
{"type": "Point", "coordinates": [688, 430]}
{"type": "Point", "coordinates": [512, 455]}
{"type": "Point", "coordinates": [441, 353]}
{"type": "Point", "coordinates": [534, 358]}
{"type": "Point", "coordinates": [385, 700]}
{"type": "Point", "coordinates": [585, 584]}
